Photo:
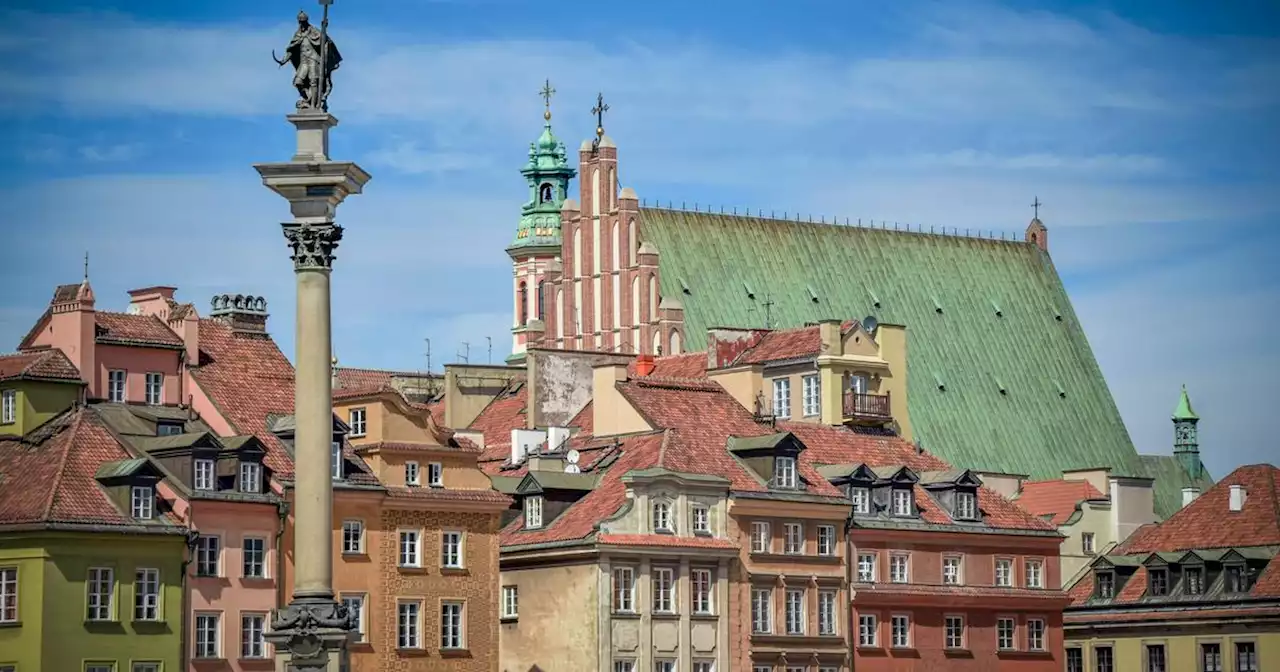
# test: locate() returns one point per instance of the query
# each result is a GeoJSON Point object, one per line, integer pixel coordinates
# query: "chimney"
{"type": "Point", "coordinates": [152, 301]}
{"type": "Point", "coordinates": [525, 442]}
{"type": "Point", "coordinates": [557, 437]}
{"type": "Point", "coordinates": [73, 330]}
{"type": "Point", "coordinates": [1189, 495]}
{"type": "Point", "coordinates": [241, 312]}
{"type": "Point", "coordinates": [644, 365]}
{"type": "Point", "coordinates": [535, 330]}
{"type": "Point", "coordinates": [829, 336]}
{"type": "Point", "coordinates": [1238, 497]}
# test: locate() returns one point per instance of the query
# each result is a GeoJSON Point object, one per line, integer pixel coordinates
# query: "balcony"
{"type": "Point", "coordinates": [866, 409]}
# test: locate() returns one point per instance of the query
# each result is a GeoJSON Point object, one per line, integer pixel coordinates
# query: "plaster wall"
{"type": "Point", "coordinates": [469, 388]}
{"type": "Point", "coordinates": [1095, 519]}
{"type": "Point", "coordinates": [560, 384]}
{"type": "Point", "coordinates": [1182, 646]}
{"type": "Point", "coordinates": [557, 628]}
{"type": "Point", "coordinates": [613, 414]}
{"type": "Point", "coordinates": [37, 403]}
{"type": "Point", "coordinates": [136, 362]}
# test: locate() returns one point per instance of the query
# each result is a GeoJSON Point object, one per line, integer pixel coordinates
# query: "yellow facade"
{"type": "Point", "coordinates": [1183, 646]}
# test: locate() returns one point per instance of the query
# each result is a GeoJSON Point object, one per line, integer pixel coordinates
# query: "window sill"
{"type": "Point", "coordinates": [260, 661]}
{"type": "Point", "coordinates": [666, 616]}
{"type": "Point", "coordinates": [455, 653]}
{"type": "Point", "coordinates": [702, 533]}
{"type": "Point", "coordinates": [957, 653]}
{"type": "Point", "coordinates": [257, 582]}
{"type": "Point", "coordinates": [1018, 653]}
{"type": "Point", "coordinates": [355, 556]}
{"type": "Point", "coordinates": [796, 557]}
{"type": "Point", "coordinates": [455, 571]}
{"type": "Point", "coordinates": [507, 620]}
{"type": "Point", "coordinates": [703, 617]}
{"type": "Point", "coordinates": [412, 653]}
{"type": "Point", "coordinates": [10, 624]}
{"type": "Point", "coordinates": [411, 570]}
{"type": "Point", "coordinates": [626, 614]}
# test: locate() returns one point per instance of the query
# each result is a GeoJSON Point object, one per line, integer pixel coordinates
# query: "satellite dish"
{"type": "Point", "coordinates": [572, 456]}
{"type": "Point", "coordinates": [870, 323]}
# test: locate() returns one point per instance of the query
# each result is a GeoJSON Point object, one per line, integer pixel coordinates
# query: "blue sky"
{"type": "Point", "coordinates": [1148, 129]}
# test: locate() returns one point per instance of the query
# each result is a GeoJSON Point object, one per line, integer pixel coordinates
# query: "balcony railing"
{"type": "Point", "coordinates": [865, 406]}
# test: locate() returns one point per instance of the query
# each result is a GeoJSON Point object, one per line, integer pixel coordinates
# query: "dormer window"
{"type": "Point", "coordinates": [168, 428]}
{"type": "Point", "coordinates": [8, 407]}
{"type": "Point", "coordinates": [142, 502]}
{"type": "Point", "coordinates": [250, 477]}
{"type": "Point", "coordinates": [1238, 579]}
{"type": "Point", "coordinates": [1106, 585]}
{"type": "Point", "coordinates": [1193, 580]}
{"type": "Point", "coordinates": [204, 478]}
{"type": "Point", "coordinates": [662, 516]}
{"type": "Point", "coordinates": [335, 460]}
{"type": "Point", "coordinates": [1158, 581]}
{"type": "Point", "coordinates": [532, 512]}
{"type": "Point", "coordinates": [966, 506]}
{"type": "Point", "coordinates": [784, 472]}
{"type": "Point", "coordinates": [701, 519]}
{"type": "Point", "coordinates": [861, 498]}
{"type": "Point", "coordinates": [901, 502]}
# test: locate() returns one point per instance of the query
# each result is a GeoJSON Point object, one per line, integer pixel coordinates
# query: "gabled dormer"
{"type": "Point", "coordinates": [203, 463]}
{"type": "Point", "coordinates": [773, 458]}
{"type": "Point", "coordinates": [895, 492]}
{"type": "Point", "coordinates": [1161, 575]}
{"type": "Point", "coordinates": [1110, 574]}
{"type": "Point", "coordinates": [285, 427]}
{"type": "Point", "coordinates": [956, 491]}
{"type": "Point", "coordinates": [1193, 579]}
{"type": "Point", "coordinates": [661, 501]}
{"type": "Point", "coordinates": [131, 486]}
{"type": "Point", "coordinates": [857, 482]}
{"type": "Point", "coordinates": [544, 495]}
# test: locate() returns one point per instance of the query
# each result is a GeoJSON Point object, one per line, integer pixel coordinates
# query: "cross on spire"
{"type": "Point", "coordinates": [599, 110]}
{"type": "Point", "coordinates": [86, 266]}
{"type": "Point", "coordinates": [546, 94]}
{"type": "Point", "coordinates": [1036, 205]}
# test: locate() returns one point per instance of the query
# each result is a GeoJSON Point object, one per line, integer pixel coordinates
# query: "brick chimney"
{"type": "Point", "coordinates": [244, 313]}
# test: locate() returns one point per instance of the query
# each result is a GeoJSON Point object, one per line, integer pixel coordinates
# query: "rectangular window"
{"type": "Point", "coordinates": [1238, 580]}
{"type": "Point", "coordinates": [146, 595]}
{"type": "Point", "coordinates": [510, 602]}
{"type": "Point", "coordinates": [1158, 580]}
{"type": "Point", "coordinates": [208, 636]}
{"type": "Point", "coordinates": [255, 558]}
{"type": "Point", "coordinates": [1210, 657]}
{"type": "Point", "coordinates": [142, 502]}
{"type": "Point", "coordinates": [355, 606]}
{"type": "Point", "coordinates": [1193, 577]}
{"type": "Point", "coordinates": [951, 570]}
{"type": "Point", "coordinates": [901, 502]}
{"type": "Point", "coordinates": [1106, 584]}
{"type": "Point", "coordinates": [451, 626]}
{"type": "Point", "coordinates": [336, 460]}
{"type": "Point", "coordinates": [8, 406]}
{"type": "Point", "coordinates": [624, 666]}
{"type": "Point", "coordinates": [701, 519]}
{"type": "Point", "coordinates": [435, 475]}
{"type": "Point", "coordinates": [155, 388]}
{"type": "Point", "coordinates": [624, 590]}
{"type": "Point", "coordinates": [826, 612]}
{"type": "Point", "coordinates": [101, 588]}
{"type": "Point", "coordinates": [1247, 657]}
{"type": "Point", "coordinates": [1075, 660]}
{"type": "Point", "coordinates": [1103, 659]}
{"type": "Point", "coordinates": [168, 428]}
{"type": "Point", "coordinates": [99, 667]}
{"type": "Point", "coordinates": [664, 591]}
{"type": "Point", "coordinates": [410, 548]}
{"type": "Point", "coordinates": [861, 498]}
{"type": "Point", "coordinates": [867, 567]}
{"type": "Point", "coordinates": [352, 536]}
{"type": "Point", "coordinates": [784, 472]}
{"type": "Point", "coordinates": [812, 395]}
{"type": "Point", "coordinates": [253, 643]}
{"type": "Point", "coordinates": [761, 610]}
{"type": "Point", "coordinates": [954, 632]}
{"type": "Point", "coordinates": [533, 512]}
{"type": "Point", "coordinates": [204, 475]}
{"type": "Point", "coordinates": [8, 594]}
{"type": "Point", "coordinates": [357, 421]}
{"type": "Point", "coordinates": [782, 397]}
{"type": "Point", "coordinates": [900, 625]}
{"type": "Point", "coordinates": [704, 666]}
{"type": "Point", "coordinates": [966, 506]}
{"type": "Point", "coordinates": [1155, 658]}
{"type": "Point", "coordinates": [1087, 541]}
{"type": "Point", "coordinates": [761, 537]}
{"type": "Point", "coordinates": [208, 554]}
{"type": "Point", "coordinates": [826, 540]}
{"type": "Point", "coordinates": [664, 666]}
{"type": "Point", "coordinates": [115, 386]}
{"type": "Point", "coordinates": [661, 516]}
{"type": "Point", "coordinates": [1035, 634]}
{"type": "Point", "coordinates": [793, 538]}
{"type": "Point", "coordinates": [1004, 572]}
{"type": "Point", "coordinates": [898, 567]}
{"type": "Point", "coordinates": [1004, 634]}
{"type": "Point", "coordinates": [250, 477]}
{"type": "Point", "coordinates": [137, 667]}
{"type": "Point", "coordinates": [868, 630]}
{"type": "Point", "coordinates": [411, 473]}
{"type": "Point", "coordinates": [409, 625]}
{"type": "Point", "coordinates": [451, 550]}
{"type": "Point", "coordinates": [795, 608]}
{"type": "Point", "coordinates": [701, 582]}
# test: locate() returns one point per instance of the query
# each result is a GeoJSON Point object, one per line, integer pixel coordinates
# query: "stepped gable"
{"type": "Point", "coordinates": [1056, 499]}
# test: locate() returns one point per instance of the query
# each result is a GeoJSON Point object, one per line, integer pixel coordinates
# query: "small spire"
{"type": "Point", "coordinates": [1183, 410]}
{"type": "Point", "coordinates": [547, 92]}
{"type": "Point", "coordinates": [1035, 205]}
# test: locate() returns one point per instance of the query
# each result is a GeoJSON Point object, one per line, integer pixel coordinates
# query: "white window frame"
{"type": "Point", "coordinates": [452, 549]}
{"type": "Point", "coordinates": [1004, 573]}
{"type": "Point", "coordinates": [154, 388]}
{"type": "Point", "coordinates": [510, 602]}
{"type": "Point", "coordinates": [412, 477]}
{"type": "Point", "coordinates": [138, 666]}
{"type": "Point", "coordinates": [348, 526]}
{"type": "Point", "coordinates": [1036, 635]}
{"type": "Point", "coordinates": [700, 518]}
{"type": "Point", "coordinates": [117, 386]}
{"type": "Point", "coordinates": [702, 591]}
{"type": "Point", "coordinates": [785, 472]}
{"type": "Point", "coordinates": [98, 666]}
{"type": "Point", "coordinates": [245, 558]}
{"type": "Point", "coordinates": [793, 538]}
{"type": "Point", "coordinates": [761, 537]}
{"type": "Point", "coordinates": [782, 397]}
{"type": "Point", "coordinates": [8, 407]}
{"type": "Point", "coordinates": [253, 642]}
{"type": "Point", "coordinates": [953, 570]}
{"type": "Point", "coordinates": [826, 540]}
{"type": "Point", "coordinates": [660, 516]}
{"type": "Point", "coordinates": [664, 665]}
{"type": "Point", "coordinates": [701, 665]}
{"type": "Point", "coordinates": [861, 498]}
{"type": "Point", "coordinates": [868, 564]}
{"type": "Point", "coordinates": [100, 603]}
{"type": "Point", "coordinates": [827, 601]}
{"type": "Point", "coordinates": [1088, 542]}
{"type": "Point", "coordinates": [142, 502]}
{"type": "Point", "coordinates": [624, 590]}
{"type": "Point", "coordinates": [250, 477]}
{"type": "Point", "coordinates": [958, 641]}
{"type": "Point", "coordinates": [894, 621]}
{"type": "Point", "coordinates": [905, 566]}
{"type": "Point", "coordinates": [336, 469]}
{"type": "Point", "coordinates": [868, 630]}
{"type": "Point", "coordinates": [409, 555]}
{"type": "Point", "coordinates": [146, 594]}
{"type": "Point", "coordinates": [205, 474]}
{"type": "Point", "coordinates": [356, 603]}
{"type": "Point", "coordinates": [811, 386]}
{"type": "Point", "coordinates": [624, 666]}
{"type": "Point", "coordinates": [966, 506]}
{"type": "Point", "coordinates": [209, 553]}
{"type": "Point", "coordinates": [358, 419]}
{"type": "Point", "coordinates": [408, 624]}
{"type": "Point", "coordinates": [8, 595]}
{"type": "Point", "coordinates": [761, 610]}
{"type": "Point", "coordinates": [901, 502]}
{"type": "Point", "coordinates": [794, 608]}
{"type": "Point", "coordinates": [533, 512]}
{"type": "Point", "coordinates": [1035, 579]}
{"type": "Point", "coordinates": [435, 475]}
{"type": "Point", "coordinates": [207, 649]}
{"type": "Point", "coordinates": [453, 625]}
{"type": "Point", "coordinates": [1006, 641]}
{"type": "Point", "coordinates": [664, 590]}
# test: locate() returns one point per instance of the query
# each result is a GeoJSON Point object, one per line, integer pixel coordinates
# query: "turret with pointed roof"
{"type": "Point", "coordinates": [1186, 443]}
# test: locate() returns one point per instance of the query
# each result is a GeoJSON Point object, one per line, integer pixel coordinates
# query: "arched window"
{"type": "Point", "coordinates": [546, 194]}
{"type": "Point", "coordinates": [617, 251]}
{"type": "Point", "coordinates": [635, 300]}
{"type": "Point", "coordinates": [653, 297]}
{"type": "Point", "coordinates": [675, 343]}
{"type": "Point", "coordinates": [657, 342]}
{"type": "Point", "coordinates": [522, 309]}
{"type": "Point", "coordinates": [577, 251]}
{"type": "Point", "coordinates": [542, 300]}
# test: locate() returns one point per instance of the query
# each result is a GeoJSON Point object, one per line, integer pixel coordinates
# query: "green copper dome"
{"type": "Point", "coordinates": [548, 174]}
{"type": "Point", "coordinates": [1183, 410]}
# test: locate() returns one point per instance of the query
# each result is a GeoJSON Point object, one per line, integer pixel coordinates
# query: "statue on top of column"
{"type": "Point", "coordinates": [314, 57]}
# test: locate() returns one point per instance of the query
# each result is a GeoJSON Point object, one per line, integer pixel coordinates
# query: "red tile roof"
{"type": "Point", "coordinates": [840, 445]}
{"type": "Point", "coordinates": [1056, 498]}
{"type": "Point", "coordinates": [665, 541]}
{"type": "Point", "coordinates": [350, 377]}
{"type": "Point", "coordinates": [782, 344]}
{"type": "Point", "coordinates": [445, 495]}
{"type": "Point", "coordinates": [1208, 521]}
{"type": "Point", "coordinates": [48, 364]}
{"type": "Point", "coordinates": [135, 330]}
{"type": "Point", "coordinates": [585, 420]}
{"type": "Point", "coordinates": [686, 365]}
{"type": "Point", "coordinates": [505, 413]}
{"type": "Point", "coordinates": [468, 447]}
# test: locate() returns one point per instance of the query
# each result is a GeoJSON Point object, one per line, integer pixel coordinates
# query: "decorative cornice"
{"type": "Point", "coordinates": [312, 244]}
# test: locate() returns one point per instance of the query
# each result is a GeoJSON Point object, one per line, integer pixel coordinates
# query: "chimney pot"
{"type": "Point", "coordinates": [1189, 495]}
{"type": "Point", "coordinates": [1238, 497]}
{"type": "Point", "coordinates": [644, 365]}
{"type": "Point", "coordinates": [243, 312]}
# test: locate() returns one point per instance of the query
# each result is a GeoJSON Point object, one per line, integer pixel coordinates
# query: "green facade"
{"type": "Point", "coordinates": [38, 402]}
{"type": "Point", "coordinates": [53, 632]}
{"type": "Point", "coordinates": [1000, 375]}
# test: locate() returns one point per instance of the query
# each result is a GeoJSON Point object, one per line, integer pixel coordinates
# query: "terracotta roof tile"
{"type": "Point", "coordinates": [505, 413]}
{"type": "Point", "coordinates": [135, 330]}
{"type": "Point", "coordinates": [664, 540]}
{"type": "Point", "coordinates": [841, 445]}
{"type": "Point", "coordinates": [362, 391]}
{"type": "Point", "coordinates": [686, 365]}
{"type": "Point", "coordinates": [1208, 522]}
{"type": "Point", "coordinates": [784, 344]}
{"type": "Point", "coordinates": [1056, 498]}
{"type": "Point", "coordinates": [349, 377]}
{"type": "Point", "coordinates": [445, 495]}
{"type": "Point", "coordinates": [49, 364]}
{"type": "Point", "coordinates": [468, 447]}
{"type": "Point", "coordinates": [585, 420]}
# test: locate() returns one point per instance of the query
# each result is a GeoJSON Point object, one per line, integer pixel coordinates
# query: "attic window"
{"type": "Point", "coordinates": [142, 499]}
{"type": "Point", "coordinates": [1105, 587]}
{"type": "Point", "coordinates": [1158, 581]}
{"type": "Point", "coordinates": [901, 502]}
{"type": "Point", "coordinates": [1239, 578]}
{"type": "Point", "coordinates": [168, 428]}
{"type": "Point", "coordinates": [784, 472]}
{"type": "Point", "coordinates": [533, 512]}
{"type": "Point", "coordinates": [662, 516]}
{"type": "Point", "coordinates": [1193, 580]}
{"type": "Point", "coordinates": [966, 506]}
{"type": "Point", "coordinates": [861, 498]}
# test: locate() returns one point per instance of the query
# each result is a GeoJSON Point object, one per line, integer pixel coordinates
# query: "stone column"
{"type": "Point", "coordinates": [312, 632]}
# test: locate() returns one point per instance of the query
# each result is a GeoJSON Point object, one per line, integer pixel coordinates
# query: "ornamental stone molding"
{"type": "Point", "coordinates": [312, 244]}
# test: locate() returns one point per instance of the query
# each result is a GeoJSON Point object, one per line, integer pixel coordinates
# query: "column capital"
{"type": "Point", "coordinates": [312, 244]}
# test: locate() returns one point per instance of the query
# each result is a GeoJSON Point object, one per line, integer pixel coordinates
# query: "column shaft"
{"type": "Point", "coordinates": [313, 411]}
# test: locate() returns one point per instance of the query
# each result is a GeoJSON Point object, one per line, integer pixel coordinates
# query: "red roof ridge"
{"type": "Point", "coordinates": [686, 384]}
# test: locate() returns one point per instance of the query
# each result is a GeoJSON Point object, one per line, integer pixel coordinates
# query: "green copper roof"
{"type": "Point", "coordinates": [1183, 411]}
{"type": "Point", "coordinates": [981, 315]}
{"type": "Point", "coordinates": [548, 174]}
{"type": "Point", "coordinates": [1171, 477]}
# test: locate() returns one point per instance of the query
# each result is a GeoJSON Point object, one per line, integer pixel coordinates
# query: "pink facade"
{"type": "Point", "coordinates": [136, 362]}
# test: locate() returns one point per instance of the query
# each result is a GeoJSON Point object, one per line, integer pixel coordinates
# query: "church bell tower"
{"type": "Point", "coordinates": [536, 248]}
{"type": "Point", "coordinates": [1186, 443]}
